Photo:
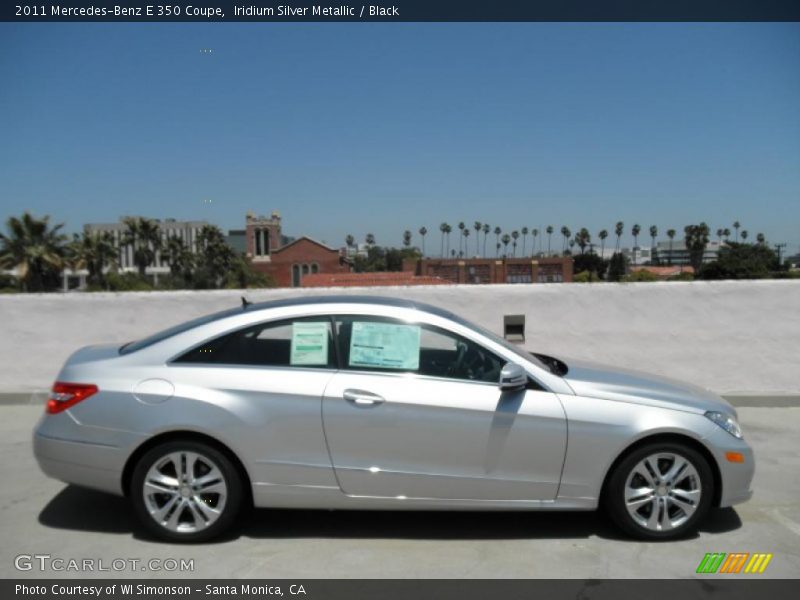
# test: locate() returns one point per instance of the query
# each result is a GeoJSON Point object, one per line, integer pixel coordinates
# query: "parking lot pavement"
{"type": "Point", "coordinates": [41, 516]}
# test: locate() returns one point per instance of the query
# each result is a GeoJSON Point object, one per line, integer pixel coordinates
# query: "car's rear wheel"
{"type": "Point", "coordinates": [186, 491]}
{"type": "Point", "coordinates": [660, 491]}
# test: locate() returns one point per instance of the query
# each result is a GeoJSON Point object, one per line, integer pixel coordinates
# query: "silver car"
{"type": "Point", "coordinates": [376, 403]}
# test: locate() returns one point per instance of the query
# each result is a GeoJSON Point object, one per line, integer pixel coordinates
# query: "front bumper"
{"type": "Point", "coordinates": [736, 478]}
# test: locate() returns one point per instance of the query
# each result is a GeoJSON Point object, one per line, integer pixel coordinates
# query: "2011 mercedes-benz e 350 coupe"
{"type": "Point", "coordinates": [375, 403]}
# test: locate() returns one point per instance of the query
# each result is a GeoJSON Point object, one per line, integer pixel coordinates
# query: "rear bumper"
{"type": "Point", "coordinates": [86, 464]}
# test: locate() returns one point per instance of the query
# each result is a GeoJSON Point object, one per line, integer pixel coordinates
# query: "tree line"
{"type": "Point", "coordinates": [39, 253]}
{"type": "Point", "coordinates": [736, 258]}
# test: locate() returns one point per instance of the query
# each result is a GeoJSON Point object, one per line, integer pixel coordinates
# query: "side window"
{"type": "Point", "coordinates": [303, 342]}
{"type": "Point", "coordinates": [386, 345]}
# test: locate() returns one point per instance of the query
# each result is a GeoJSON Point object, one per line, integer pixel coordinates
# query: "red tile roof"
{"type": "Point", "coordinates": [369, 279]}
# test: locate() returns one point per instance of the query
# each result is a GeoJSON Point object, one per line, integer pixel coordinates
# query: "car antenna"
{"type": "Point", "coordinates": [245, 302]}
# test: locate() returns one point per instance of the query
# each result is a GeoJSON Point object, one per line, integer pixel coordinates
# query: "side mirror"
{"type": "Point", "coordinates": [513, 377]}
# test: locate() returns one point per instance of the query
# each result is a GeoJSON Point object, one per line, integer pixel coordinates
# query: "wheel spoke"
{"type": "Point", "coordinates": [155, 487]}
{"type": "Point", "coordinates": [191, 461]}
{"type": "Point", "coordinates": [642, 470]}
{"type": "Point", "coordinates": [685, 500]}
{"type": "Point", "coordinates": [174, 518]}
{"type": "Point", "coordinates": [158, 478]}
{"type": "Point", "coordinates": [676, 470]}
{"type": "Point", "coordinates": [209, 512]}
{"type": "Point", "coordinates": [651, 464]}
{"type": "Point", "coordinates": [199, 521]}
{"type": "Point", "coordinates": [161, 513]}
{"type": "Point", "coordinates": [652, 521]}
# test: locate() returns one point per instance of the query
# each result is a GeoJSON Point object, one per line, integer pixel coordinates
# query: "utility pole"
{"type": "Point", "coordinates": [780, 247]}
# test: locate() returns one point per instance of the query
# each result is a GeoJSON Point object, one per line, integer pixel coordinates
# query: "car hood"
{"type": "Point", "coordinates": [611, 383]}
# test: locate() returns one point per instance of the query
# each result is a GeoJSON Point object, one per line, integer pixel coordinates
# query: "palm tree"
{"type": "Point", "coordinates": [477, 226]}
{"type": "Point", "coordinates": [406, 238]}
{"type": "Point", "coordinates": [423, 231]}
{"type": "Point", "coordinates": [635, 231]}
{"type": "Point", "coordinates": [370, 239]}
{"type": "Point", "coordinates": [618, 229]}
{"type": "Point", "coordinates": [744, 235]}
{"type": "Point", "coordinates": [760, 238]}
{"type": "Point", "coordinates": [497, 249]}
{"type": "Point", "coordinates": [525, 231]}
{"type": "Point", "coordinates": [497, 232]}
{"type": "Point", "coordinates": [515, 237]}
{"type": "Point", "coordinates": [602, 235]}
{"type": "Point", "coordinates": [566, 233]}
{"type": "Point", "coordinates": [181, 259]}
{"type": "Point", "coordinates": [443, 229]}
{"type": "Point", "coordinates": [727, 233]}
{"type": "Point", "coordinates": [214, 253]}
{"type": "Point", "coordinates": [465, 234]}
{"type": "Point", "coordinates": [34, 249]}
{"type": "Point", "coordinates": [720, 233]}
{"type": "Point", "coordinates": [94, 252]}
{"type": "Point", "coordinates": [671, 236]}
{"type": "Point", "coordinates": [696, 240]}
{"type": "Point", "coordinates": [653, 235]}
{"type": "Point", "coordinates": [736, 226]}
{"type": "Point", "coordinates": [461, 226]}
{"type": "Point", "coordinates": [505, 239]}
{"type": "Point", "coordinates": [144, 236]}
{"type": "Point", "coordinates": [549, 231]}
{"type": "Point", "coordinates": [534, 234]}
{"type": "Point", "coordinates": [486, 229]}
{"type": "Point", "coordinates": [583, 238]}
{"type": "Point", "coordinates": [448, 230]}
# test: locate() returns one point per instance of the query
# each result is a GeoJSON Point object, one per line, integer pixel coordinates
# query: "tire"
{"type": "Point", "coordinates": [672, 479]}
{"type": "Point", "coordinates": [186, 491]}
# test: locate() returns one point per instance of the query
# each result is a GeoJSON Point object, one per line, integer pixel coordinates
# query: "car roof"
{"type": "Point", "coordinates": [346, 299]}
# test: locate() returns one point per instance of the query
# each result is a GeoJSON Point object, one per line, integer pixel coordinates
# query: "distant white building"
{"type": "Point", "coordinates": [185, 230]}
{"type": "Point", "coordinates": [676, 253]}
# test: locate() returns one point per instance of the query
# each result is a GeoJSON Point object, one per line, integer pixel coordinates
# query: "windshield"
{"type": "Point", "coordinates": [168, 333]}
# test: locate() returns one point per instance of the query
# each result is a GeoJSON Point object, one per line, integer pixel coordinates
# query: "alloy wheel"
{"type": "Point", "coordinates": [662, 491]}
{"type": "Point", "coordinates": [185, 492]}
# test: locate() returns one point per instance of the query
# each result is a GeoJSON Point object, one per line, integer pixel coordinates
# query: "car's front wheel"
{"type": "Point", "coordinates": [660, 491]}
{"type": "Point", "coordinates": [186, 491]}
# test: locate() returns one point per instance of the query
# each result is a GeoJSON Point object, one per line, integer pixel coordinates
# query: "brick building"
{"type": "Point", "coordinates": [382, 279]}
{"type": "Point", "coordinates": [288, 263]}
{"type": "Point", "coordinates": [490, 270]}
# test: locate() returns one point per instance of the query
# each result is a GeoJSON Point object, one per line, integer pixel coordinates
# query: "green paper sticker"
{"type": "Point", "coordinates": [309, 343]}
{"type": "Point", "coordinates": [385, 345]}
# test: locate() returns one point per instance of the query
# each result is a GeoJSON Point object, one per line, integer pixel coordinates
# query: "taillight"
{"type": "Point", "coordinates": [65, 395]}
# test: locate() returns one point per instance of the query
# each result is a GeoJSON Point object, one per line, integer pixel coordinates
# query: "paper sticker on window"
{"type": "Point", "coordinates": [384, 345]}
{"type": "Point", "coordinates": [309, 344]}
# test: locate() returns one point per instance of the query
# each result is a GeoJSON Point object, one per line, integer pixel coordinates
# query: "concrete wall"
{"type": "Point", "coordinates": [728, 336]}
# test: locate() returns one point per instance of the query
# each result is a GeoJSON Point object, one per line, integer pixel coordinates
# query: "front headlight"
{"type": "Point", "coordinates": [727, 422]}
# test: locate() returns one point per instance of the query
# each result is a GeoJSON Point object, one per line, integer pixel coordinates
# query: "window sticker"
{"type": "Point", "coordinates": [309, 344]}
{"type": "Point", "coordinates": [384, 345]}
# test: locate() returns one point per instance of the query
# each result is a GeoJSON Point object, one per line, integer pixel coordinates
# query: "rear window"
{"type": "Point", "coordinates": [168, 333]}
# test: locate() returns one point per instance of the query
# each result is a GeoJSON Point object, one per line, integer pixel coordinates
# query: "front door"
{"type": "Point", "coordinates": [416, 412]}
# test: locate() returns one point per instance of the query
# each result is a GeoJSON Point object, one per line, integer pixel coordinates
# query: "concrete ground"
{"type": "Point", "coordinates": [41, 516]}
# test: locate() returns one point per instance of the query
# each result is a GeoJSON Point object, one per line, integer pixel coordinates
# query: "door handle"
{"type": "Point", "coordinates": [362, 397]}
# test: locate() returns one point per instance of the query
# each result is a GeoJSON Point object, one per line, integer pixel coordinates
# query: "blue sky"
{"type": "Point", "coordinates": [365, 127]}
